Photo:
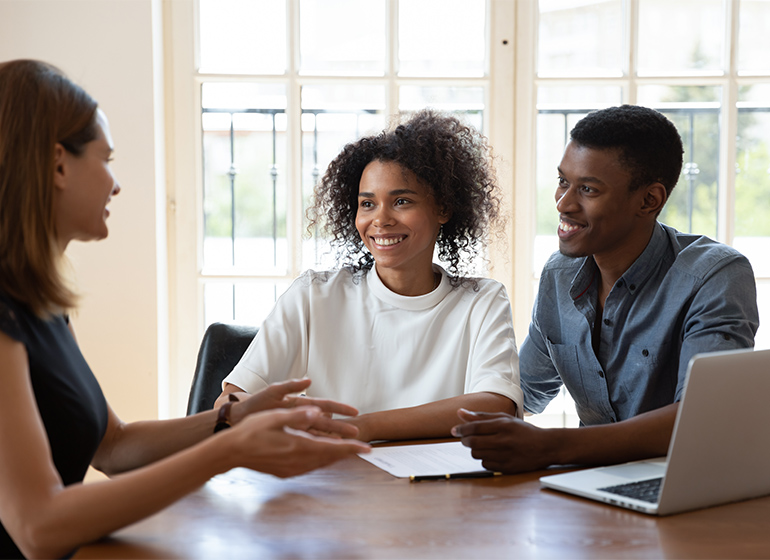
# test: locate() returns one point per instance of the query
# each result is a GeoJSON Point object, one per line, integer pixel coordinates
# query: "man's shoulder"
{"type": "Point", "coordinates": [700, 255]}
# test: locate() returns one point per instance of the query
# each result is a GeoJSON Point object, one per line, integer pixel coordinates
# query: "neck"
{"type": "Point", "coordinates": [614, 264]}
{"type": "Point", "coordinates": [409, 282]}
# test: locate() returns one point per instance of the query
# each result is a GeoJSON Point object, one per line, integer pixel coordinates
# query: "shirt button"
{"type": "Point", "coordinates": [601, 373]}
{"type": "Point", "coordinates": [632, 287]}
{"type": "Point", "coordinates": [612, 420]}
{"type": "Point", "coordinates": [607, 322]}
{"type": "Point", "coordinates": [645, 353]}
{"type": "Point", "coordinates": [726, 336]}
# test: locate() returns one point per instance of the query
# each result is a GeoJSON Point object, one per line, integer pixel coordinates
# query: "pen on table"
{"type": "Point", "coordinates": [477, 474]}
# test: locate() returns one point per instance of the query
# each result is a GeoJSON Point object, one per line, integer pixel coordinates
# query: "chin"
{"type": "Point", "coordinates": [572, 253]}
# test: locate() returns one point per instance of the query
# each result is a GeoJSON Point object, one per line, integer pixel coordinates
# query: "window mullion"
{"type": "Point", "coordinates": [294, 221]}
{"type": "Point", "coordinates": [392, 61]}
{"type": "Point", "coordinates": [632, 44]}
{"type": "Point", "coordinates": [729, 126]}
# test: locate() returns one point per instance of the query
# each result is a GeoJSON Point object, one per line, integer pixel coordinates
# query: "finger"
{"type": "Point", "coordinates": [482, 443]}
{"type": "Point", "coordinates": [288, 387]}
{"type": "Point", "coordinates": [338, 427]}
{"type": "Point", "coordinates": [328, 406]}
{"type": "Point", "coordinates": [482, 427]}
{"type": "Point", "coordinates": [300, 418]}
{"type": "Point", "coordinates": [322, 442]}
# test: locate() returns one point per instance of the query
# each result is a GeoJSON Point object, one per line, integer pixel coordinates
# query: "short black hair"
{"type": "Point", "coordinates": [648, 142]}
{"type": "Point", "coordinates": [452, 159]}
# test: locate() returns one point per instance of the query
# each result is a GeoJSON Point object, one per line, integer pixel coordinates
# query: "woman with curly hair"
{"type": "Point", "coordinates": [405, 341]}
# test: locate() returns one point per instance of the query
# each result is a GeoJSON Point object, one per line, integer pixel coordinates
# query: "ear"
{"type": "Point", "coordinates": [60, 157]}
{"type": "Point", "coordinates": [444, 216]}
{"type": "Point", "coordinates": [654, 198]}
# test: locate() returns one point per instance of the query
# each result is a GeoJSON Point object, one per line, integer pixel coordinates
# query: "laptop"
{"type": "Point", "coordinates": [719, 450]}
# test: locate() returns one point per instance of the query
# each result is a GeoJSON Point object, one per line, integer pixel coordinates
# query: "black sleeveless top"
{"type": "Point", "coordinates": [69, 399]}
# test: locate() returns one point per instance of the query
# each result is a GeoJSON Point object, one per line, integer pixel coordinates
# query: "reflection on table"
{"type": "Point", "coordinates": [355, 510]}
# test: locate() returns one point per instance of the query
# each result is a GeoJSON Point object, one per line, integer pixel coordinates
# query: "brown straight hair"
{"type": "Point", "coordinates": [39, 108]}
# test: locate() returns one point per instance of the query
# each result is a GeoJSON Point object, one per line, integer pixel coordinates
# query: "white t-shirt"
{"type": "Point", "coordinates": [371, 348]}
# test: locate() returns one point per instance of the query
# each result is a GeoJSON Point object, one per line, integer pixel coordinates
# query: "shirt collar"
{"type": "Point", "coordinates": [634, 277]}
{"type": "Point", "coordinates": [411, 303]}
{"type": "Point", "coordinates": [638, 273]}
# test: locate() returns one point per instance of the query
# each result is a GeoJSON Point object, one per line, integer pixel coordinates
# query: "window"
{"type": "Point", "coordinates": [293, 80]}
{"type": "Point", "coordinates": [699, 62]}
{"type": "Point", "coordinates": [279, 87]}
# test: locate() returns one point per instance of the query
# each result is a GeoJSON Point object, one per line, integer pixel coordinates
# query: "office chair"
{"type": "Point", "coordinates": [221, 348]}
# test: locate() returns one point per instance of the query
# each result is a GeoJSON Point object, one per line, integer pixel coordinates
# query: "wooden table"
{"type": "Point", "coordinates": [355, 510]}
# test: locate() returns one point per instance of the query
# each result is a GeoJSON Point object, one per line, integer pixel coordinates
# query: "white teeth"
{"type": "Point", "coordinates": [385, 241]}
{"type": "Point", "coordinates": [567, 227]}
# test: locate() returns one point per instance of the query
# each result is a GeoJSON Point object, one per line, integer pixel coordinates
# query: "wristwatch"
{"type": "Point", "coordinates": [223, 417]}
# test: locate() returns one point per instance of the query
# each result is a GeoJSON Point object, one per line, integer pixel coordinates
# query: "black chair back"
{"type": "Point", "coordinates": [221, 349]}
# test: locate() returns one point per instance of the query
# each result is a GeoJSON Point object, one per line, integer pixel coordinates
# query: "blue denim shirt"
{"type": "Point", "coordinates": [685, 294]}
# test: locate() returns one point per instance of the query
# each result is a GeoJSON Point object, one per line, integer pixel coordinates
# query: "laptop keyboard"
{"type": "Point", "coordinates": [644, 490]}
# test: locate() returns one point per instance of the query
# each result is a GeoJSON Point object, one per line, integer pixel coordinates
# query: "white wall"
{"type": "Point", "coordinates": [112, 49]}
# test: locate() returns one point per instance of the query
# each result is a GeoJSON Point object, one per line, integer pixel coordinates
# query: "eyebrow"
{"type": "Point", "coordinates": [396, 192]}
{"type": "Point", "coordinates": [587, 179]}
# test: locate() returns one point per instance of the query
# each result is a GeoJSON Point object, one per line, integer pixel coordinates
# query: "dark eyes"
{"type": "Point", "coordinates": [564, 184]}
{"type": "Point", "coordinates": [397, 202]}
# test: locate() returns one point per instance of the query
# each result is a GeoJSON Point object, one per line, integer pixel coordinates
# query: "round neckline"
{"type": "Point", "coordinates": [412, 303]}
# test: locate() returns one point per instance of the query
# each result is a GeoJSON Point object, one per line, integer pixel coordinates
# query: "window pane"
{"type": "Point", "coordinates": [342, 37]}
{"type": "Point", "coordinates": [681, 37]}
{"type": "Point", "coordinates": [752, 49]}
{"type": "Point", "coordinates": [332, 116]}
{"type": "Point", "coordinates": [244, 187]}
{"type": "Point", "coordinates": [559, 108]}
{"type": "Point", "coordinates": [692, 206]}
{"type": "Point", "coordinates": [580, 38]}
{"type": "Point", "coordinates": [246, 303]}
{"type": "Point", "coordinates": [442, 38]}
{"type": "Point", "coordinates": [467, 101]}
{"type": "Point", "coordinates": [235, 35]}
{"type": "Point", "coordinates": [752, 182]}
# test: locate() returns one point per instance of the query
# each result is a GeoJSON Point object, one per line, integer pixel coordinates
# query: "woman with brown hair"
{"type": "Point", "coordinates": [55, 184]}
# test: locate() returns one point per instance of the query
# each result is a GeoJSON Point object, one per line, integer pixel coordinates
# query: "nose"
{"type": "Point", "coordinates": [383, 216]}
{"type": "Point", "coordinates": [115, 189]}
{"type": "Point", "coordinates": [565, 199]}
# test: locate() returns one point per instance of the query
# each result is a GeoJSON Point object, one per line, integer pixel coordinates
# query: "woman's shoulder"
{"type": "Point", "coordinates": [319, 277]}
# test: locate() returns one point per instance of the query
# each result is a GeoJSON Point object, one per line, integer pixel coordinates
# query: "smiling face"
{"type": "Point", "coordinates": [398, 220]}
{"type": "Point", "coordinates": [84, 186]}
{"type": "Point", "coordinates": [598, 214]}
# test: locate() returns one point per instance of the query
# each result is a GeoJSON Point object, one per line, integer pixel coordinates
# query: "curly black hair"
{"type": "Point", "coordinates": [453, 160]}
{"type": "Point", "coordinates": [649, 143]}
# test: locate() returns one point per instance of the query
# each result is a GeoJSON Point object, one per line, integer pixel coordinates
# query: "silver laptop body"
{"type": "Point", "coordinates": [719, 450]}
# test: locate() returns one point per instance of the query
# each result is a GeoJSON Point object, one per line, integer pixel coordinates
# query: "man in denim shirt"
{"type": "Point", "coordinates": [622, 307]}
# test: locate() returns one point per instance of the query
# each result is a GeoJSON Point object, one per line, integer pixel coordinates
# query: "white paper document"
{"type": "Point", "coordinates": [431, 459]}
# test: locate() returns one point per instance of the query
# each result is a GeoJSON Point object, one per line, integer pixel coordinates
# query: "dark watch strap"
{"type": "Point", "coordinates": [223, 417]}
